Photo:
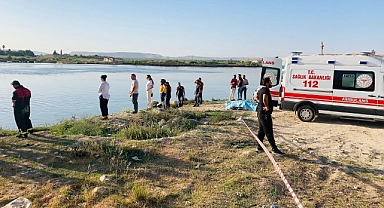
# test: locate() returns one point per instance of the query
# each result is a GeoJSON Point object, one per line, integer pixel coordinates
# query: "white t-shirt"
{"type": "Point", "coordinates": [149, 85]}
{"type": "Point", "coordinates": [135, 84]}
{"type": "Point", "coordinates": [104, 90]}
{"type": "Point", "coordinates": [245, 82]}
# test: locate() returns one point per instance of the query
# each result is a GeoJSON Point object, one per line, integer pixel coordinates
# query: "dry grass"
{"type": "Point", "coordinates": [211, 165]}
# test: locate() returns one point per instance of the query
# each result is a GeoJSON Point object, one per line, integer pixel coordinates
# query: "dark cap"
{"type": "Point", "coordinates": [15, 82]}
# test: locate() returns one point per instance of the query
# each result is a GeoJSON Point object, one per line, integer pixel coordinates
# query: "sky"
{"type": "Point", "coordinates": [213, 28]}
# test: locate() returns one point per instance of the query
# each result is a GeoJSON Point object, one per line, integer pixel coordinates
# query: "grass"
{"type": "Point", "coordinates": [147, 125]}
{"type": "Point", "coordinates": [88, 126]}
{"type": "Point", "coordinates": [201, 165]}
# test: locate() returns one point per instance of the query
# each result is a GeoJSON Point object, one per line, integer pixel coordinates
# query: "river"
{"type": "Point", "coordinates": [64, 90]}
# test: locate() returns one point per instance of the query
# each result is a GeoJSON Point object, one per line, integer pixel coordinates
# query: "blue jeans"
{"type": "Point", "coordinates": [239, 93]}
{"type": "Point", "coordinates": [181, 100]}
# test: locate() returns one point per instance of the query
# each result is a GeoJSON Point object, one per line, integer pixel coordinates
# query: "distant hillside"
{"type": "Point", "coordinates": [134, 55]}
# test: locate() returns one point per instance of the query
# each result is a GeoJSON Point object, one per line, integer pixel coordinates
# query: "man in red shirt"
{"type": "Point", "coordinates": [21, 108]}
{"type": "Point", "coordinates": [233, 84]}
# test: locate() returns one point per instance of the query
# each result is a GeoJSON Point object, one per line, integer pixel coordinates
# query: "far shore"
{"type": "Point", "coordinates": [66, 59]}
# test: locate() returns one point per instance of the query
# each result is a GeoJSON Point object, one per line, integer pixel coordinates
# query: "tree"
{"type": "Point", "coordinates": [3, 47]}
{"type": "Point", "coordinates": [55, 53]}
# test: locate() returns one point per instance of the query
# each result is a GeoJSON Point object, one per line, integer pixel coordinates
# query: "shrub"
{"type": "Point", "coordinates": [86, 126]}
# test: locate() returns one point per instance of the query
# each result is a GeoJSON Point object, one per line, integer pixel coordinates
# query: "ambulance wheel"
{"type": "Point", "coordinates": [305, 113]}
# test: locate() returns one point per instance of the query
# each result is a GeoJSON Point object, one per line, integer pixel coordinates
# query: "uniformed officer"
{"type": "Point", "coordinates": [21, 108]}
{"type": "Point", "coordinates": [264, 111]}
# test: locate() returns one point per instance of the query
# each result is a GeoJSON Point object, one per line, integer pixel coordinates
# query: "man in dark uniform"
{"type": "Point", "coordinates": [264, 111]}
{"type": "Point", "coordinates": [21, 108]}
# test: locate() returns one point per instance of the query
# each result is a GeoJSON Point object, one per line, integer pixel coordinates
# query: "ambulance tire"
{"type": "Point", "coordinates": [306, 113]}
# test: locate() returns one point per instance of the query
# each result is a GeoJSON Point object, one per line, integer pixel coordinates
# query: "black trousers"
{"type": "Point", "coordinates": [135, 96]}
{"type": "Point", "coordinates": [245, 93]}
{"type": "Point", "coordinates": [22, 118]}
{"type": "Point", "coordinates": [266, 129]}
{"type": "Point", "coordinates": [201, 98]}
{"type": "Point", "coordinates": [103, 106]}
{"type": "Point", "coordinates": [167, 102]}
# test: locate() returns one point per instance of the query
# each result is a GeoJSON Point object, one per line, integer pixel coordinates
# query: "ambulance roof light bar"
{"type": "Point", "coordinates": [296, 53]}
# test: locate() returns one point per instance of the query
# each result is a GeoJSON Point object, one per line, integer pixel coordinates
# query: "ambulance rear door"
{"type": "Point", "coordinates": [272, 68]}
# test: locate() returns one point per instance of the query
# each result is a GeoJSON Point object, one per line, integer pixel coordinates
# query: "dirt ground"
{"type": "Point", "coordinates": [331, 137]}
{"type": "Point", "coordinates": [328, 136]}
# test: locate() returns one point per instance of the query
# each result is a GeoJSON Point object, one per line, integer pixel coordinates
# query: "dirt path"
{"type": "Point", "coordinates": [333, 138]}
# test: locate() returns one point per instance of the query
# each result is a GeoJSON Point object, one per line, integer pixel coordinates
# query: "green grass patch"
{"type": "Point", "coordinates": [218, 116]}
{"type": "Point", "coordinates": [86, 126]}
{"type": "Point", "coordinates": [6, 132]}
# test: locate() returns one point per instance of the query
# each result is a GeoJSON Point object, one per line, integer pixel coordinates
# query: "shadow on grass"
{"type": "Point", "coordinates": [348, 169]}
{"type": "Point", "coordinates": [65, 160]}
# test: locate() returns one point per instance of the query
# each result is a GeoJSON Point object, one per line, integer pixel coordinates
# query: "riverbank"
{"type": "Point", "coordinates": [198, 157]}
{"type": "Point", "coordinates": [66, 59]}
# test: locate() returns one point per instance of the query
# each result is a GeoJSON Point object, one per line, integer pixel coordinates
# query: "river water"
{"type": "Point", "coordinates": [64, 90]}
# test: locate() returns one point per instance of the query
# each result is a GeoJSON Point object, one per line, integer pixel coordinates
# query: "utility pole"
{"type": "Point", "coordinates": [322, 48]}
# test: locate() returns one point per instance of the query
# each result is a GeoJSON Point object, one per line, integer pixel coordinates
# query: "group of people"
{"type": "Point", "coordinates": [22, 96]}
{"type": "Point", "coordinates": [165, 93]}
{"type": "Point", "coordinates": [241, 84]}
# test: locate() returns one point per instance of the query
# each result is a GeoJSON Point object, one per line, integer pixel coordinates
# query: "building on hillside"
{"type": "Point", "coordinates": [109, 59]}
{"type": "Point", "coordinates": [258, 60]}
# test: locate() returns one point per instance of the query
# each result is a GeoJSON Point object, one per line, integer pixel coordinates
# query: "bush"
{"type": "Point", "coordinates": [138, 132]}
{"type": "Point", "coordinates": [86, 126]}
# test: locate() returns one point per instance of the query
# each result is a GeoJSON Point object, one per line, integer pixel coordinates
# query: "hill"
{"type": "Point", "coordinates": [135, 55]}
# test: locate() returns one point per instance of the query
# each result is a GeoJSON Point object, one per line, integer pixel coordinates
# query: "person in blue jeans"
{"type": "Point", "coordinates": [134, 93]}
{"type": "Point", "coordinates": [180, 93]}
{"type": "Point", "coordinates": [239, 87]}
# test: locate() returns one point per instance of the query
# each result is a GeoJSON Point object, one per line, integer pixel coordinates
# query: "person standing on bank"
{"type": "Point", "coordinates": [202, 89]}
{"type": "Point", "coordinates": [149, 87]}
{"type": "Point", "coordinates": [104, 96]}
{"type": "Point", "coordinates": [180, 93]}
{"type": "Point", "coordinates": [168, 95]}
{"type": "Point", "coordinates": [134, 93]}
{"type": "Point", "coordinates": [264, 111]}
{"type": "Point", "coordinates": [239, 87]}
{"type": "Point", "coordinates": [197, 93]}
{"type": "Point", "coordinates": [163, 92]}
{"type": "Point", "coordinates": [245, 83]}
{"type": "Point", "coordinates": [21, 109]}
{"type": "Point", "coordinates": [233, 84]}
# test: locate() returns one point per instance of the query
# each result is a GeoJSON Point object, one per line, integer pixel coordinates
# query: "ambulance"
{"type": "Point", "coordinates": [349, 86]}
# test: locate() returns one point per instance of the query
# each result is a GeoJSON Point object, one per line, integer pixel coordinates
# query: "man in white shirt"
{"type": "Point", "coordinates": [245, 84]}
{"type": "Point", "coordinates": [149, 88]}
{"type": "Point", "coordinates": [134, 93]}
{"type": "Point", "coordinates": [104, 96]}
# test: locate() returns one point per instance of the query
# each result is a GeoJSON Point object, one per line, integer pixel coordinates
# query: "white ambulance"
{"type": "Point", "coordinates": [349, 86]}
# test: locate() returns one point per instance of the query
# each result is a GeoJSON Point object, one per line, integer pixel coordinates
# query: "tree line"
{"type": "Point", "coordinates": [17, 53]}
